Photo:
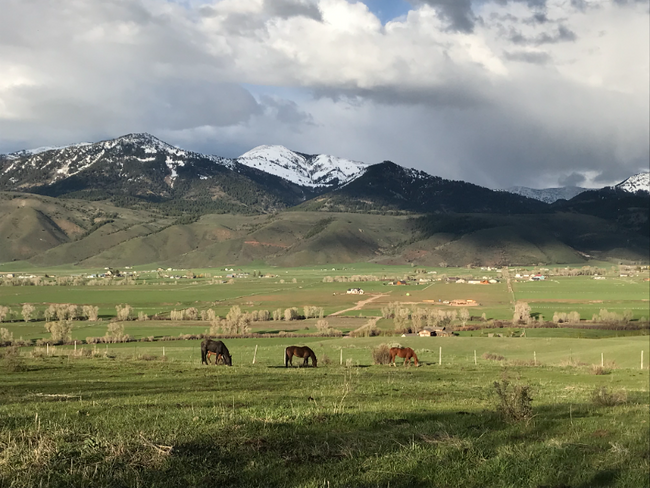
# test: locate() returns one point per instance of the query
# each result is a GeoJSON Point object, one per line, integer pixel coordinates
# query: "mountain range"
{"type": "Point", "coordinates": [136, 199]}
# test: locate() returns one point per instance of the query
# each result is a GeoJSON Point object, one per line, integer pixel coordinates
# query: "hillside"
{"type": "Point", "coordinates": [389, 187]}
{"type": "Point", "coordinates": [48, 231]}
{"type": "Point", "coordinates": [137, 200]}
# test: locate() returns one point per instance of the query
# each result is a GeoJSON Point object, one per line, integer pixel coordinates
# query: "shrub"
{"type": "Point", "coordinates": [369, 329]}
{"type": "Point", "coordinates": [6, 337]}
{"type": "Point", "coordinates": [8, 352]}
{"type": "Point", "coordinates": [4, 313]}
{"type": "Point", "coordinates": [602, 397]}
{"type": "Point", "coordinates": [28, 312]}
{"type": "Point", "coordinates": [324, 359]}
{"type": "Point", "coordinates": [291, 314]}
{"type": "Point", "coordinates": [90, 312]}
{"type": "Point", "coordinates": [522, 313]}
{"type": "Point", "coordinates": [515, 402]}
{"type": "Point", "coordinates": [61, 330]}
{"type": "Point", "coordinates": [123, 312]}
{"type": "Point", "coordinates": [599, 370]}
{"type": "Point", "coordinates": [381, 354]}
{"type": "Point", "coordinates": [492, 357]}
{"type": "Point", "coordinates": [115, 332]}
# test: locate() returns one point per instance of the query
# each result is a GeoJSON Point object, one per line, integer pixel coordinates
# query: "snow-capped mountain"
{"type": "Point", "coordinates": [129, 156]}
{"type": "Point", "coordinates": [547, 195]}
{"type": "Point", "coordinates": [638, 182]}
{"type": "Point", "coordinates": [302, 169]}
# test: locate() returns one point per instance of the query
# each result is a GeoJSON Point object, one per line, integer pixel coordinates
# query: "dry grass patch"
{"type": "Point", "coordinates": [603, 397]}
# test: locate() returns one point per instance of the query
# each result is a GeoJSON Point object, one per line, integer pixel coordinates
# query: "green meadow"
{"type": "Point", "coordinates": [129, 416]}
{"type": "Point", "coordinates": [573, 410]}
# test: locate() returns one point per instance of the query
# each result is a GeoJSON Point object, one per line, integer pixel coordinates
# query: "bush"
{"type": "Point", "coordinates": [599, 370]}
{"type": "Point", "coordinates": [6, 337]}
{"type": "Point", "coordinates": [369, 329]}
{"type": "Point", "coordinates": [324, 359]}
{"type": "Point", "coordinates": [515, 402]}
{"type": "Point", "coordinates": [381, 354]}
{"type": "Point", "coordinates": [61, 330]}
{"type": "Point", "coordinates": [602, 397]}
{"type": "Point", "coordinates": [492, 357]}
{"type": "Point", "coordinates": [9, 352]}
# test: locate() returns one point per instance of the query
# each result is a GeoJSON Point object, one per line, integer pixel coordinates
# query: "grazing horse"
{"type": "Point", "coordinates": [300, 352]}
{"type": "Point", "coordinates": [208, 346]}
{"type": "Point", "coordinates": [404, 352]}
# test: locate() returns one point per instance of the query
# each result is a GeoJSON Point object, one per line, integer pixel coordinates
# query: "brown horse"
{"type": "Point", "coordinates": [300, 352]}
{"type": "Point", "coordinates": [404, 352]}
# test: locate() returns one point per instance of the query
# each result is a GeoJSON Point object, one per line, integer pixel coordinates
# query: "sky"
{"type": "Point", "coordinates": [538, 93]}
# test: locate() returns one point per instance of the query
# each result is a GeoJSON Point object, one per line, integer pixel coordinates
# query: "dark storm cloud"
{"type": "Point", "coordinates": [458, 13]}
{"type": "Point", "coordinates": [286, 111]}
{"type": "Point", "coordinates": [574, 179]}
{"type": "Point", "coordinates": [292, 8]}
{"type": "Point", "coordinates": [562, 34]}
{"type": "Point", "coordinates": [444, 95]}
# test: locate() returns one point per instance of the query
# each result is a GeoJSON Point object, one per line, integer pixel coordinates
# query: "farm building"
{"type": "Point", "coordinates": [355, 291]}
{"type": "Point", "coordinates": [463, 303]}
{"type": "Point", "coordinates": [434, 332]}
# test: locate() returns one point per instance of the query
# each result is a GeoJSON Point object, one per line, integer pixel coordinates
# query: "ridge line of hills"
{"type": "Point", "coordinates": [137, 200]}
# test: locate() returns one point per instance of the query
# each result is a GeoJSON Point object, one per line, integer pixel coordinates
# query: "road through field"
{"type": "Point", "coordinates": [360, 304]}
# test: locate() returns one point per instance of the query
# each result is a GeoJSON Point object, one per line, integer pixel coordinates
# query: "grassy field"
{"type": "Point", "coordinates": [149, 414]}
{"type": "Point", "coordinates": [120, 420]}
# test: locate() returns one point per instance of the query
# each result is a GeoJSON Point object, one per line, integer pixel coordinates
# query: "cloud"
{"type": "Point", "coordinates": [458, 13]}
{"type": "Point", "coordinates": [573, 179]}
{"type": "Point", "coordinates": [497, 92]}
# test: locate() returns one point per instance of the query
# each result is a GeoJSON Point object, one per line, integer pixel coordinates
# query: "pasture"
{"type": "Point", "coordinates": [127, 417]}
{"type": "Point", "coordinates": [148, 414]}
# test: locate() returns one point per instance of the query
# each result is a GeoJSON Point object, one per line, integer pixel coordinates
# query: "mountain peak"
{"type": "Point", "coordinates": [638, 182]}
{"type": "Point", "coordinates": [302, 169]}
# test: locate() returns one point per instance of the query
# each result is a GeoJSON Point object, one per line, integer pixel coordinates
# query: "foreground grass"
{"type": "Point", "coordinates": [127, 422]}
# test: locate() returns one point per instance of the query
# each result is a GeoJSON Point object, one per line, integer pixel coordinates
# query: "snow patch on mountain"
{"type": "Point", "coordinates": [302, 169]}
{"type": "Point", "coordinates": [638, 182]}
{"type": "Point", "coordinates": [547, 195]}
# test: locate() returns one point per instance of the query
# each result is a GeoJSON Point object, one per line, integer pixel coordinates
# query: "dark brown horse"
{"type": "Point", "coordinates": [404, 352]}
{"type": "Point", "coordinates": [215, 347]}
{"type": "Point", "coordinates": [300, 352]}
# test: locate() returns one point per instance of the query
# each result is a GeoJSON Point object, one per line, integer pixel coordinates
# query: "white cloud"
{"type": "Point", "coordinates": [503, 93]}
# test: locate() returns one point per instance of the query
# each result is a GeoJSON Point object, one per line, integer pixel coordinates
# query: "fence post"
{"type": "Point", "coordinates": [341, 360]}
{"type": "Point", "coordinates": [163, 350]}
{"type": "Point", "coordinates": [535, 357]}
{"type": "Point", "coordinates": [440, 356]}
{"type": "Point", "coordinates": [475, 357]}
{"type": "Point", "coordinates": [47, 349]}
{"type": "Point", "coordinates": [641, 359]}
{"type": "Point", "coordinates": [75, 347]}
{"type": "Point", "coordinates": [255, 354]}
{"type": "Point", "coordinates": [602, 360]}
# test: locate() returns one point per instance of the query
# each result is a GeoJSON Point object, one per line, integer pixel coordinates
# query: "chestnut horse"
{"type": "Point", "coordinates": [404, 352]}
{"type": "Point", "coordinates": [208, 346]}
{"type": "Point", "coordinates": [300, 352]}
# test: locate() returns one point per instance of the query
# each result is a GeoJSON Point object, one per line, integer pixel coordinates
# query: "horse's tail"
{"type": "Point", "coordinates": [286, 357]}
